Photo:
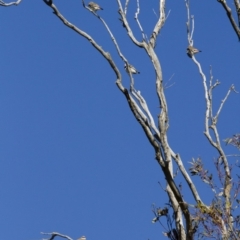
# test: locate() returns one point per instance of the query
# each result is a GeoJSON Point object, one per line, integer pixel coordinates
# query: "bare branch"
{"type": "Point", "coordinates": [187, 178]}
{"type": "Point", "coordinates": [159, 24]}
{"type": "Point", "coordinates": [208, 118]}
{"type": "Point", "coordinates": [233, 155]}
{"type": "Point", "coordinates": [126, 25]}
{"type": "Point", "coordinates": [166, 150]}
{"type": "Point", "coordinates": [163, 126]}
{"type": "Point", "coordinates": [237, 6]}
{"type": "Point", "coordinates": [137, 94]}
{"type": "Point", "coordinates": [56, 234]}
{"type": "Point", "coordinates": [144, 105]}
{"type": "Point", "coordinates": [126, 6]}
{"type": "Point", "coordinates": [106, 55]}
{"type": "Point", "coordinates": [2, 3]}
{"type": "Point", "coordinates": [139, 24]}
{"type": "Point", "coordinates": [230, 16]}
{"type": "Point", "coordinates": [216, 144]}
{"type": "Point", "coordinates": [177, 215]}
{"type": "Point", "coordinates": [211, 87]}
{"type": "Point", "coordinates": [222, 103]}
{"type": "Point", "coordinates": [110, 33]}
{"type": "Point", "coordinates": [135, 109]}
{"type": "Point", "coordinates": [190, 24]}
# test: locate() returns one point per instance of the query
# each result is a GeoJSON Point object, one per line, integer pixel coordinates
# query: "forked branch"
{"type": "Point", "coordinates": [126, 25]}
{"type": "Point", "coordinates": [138, 22]}
{"type": "Point", "coordinates": [105, 54]}
{"type": "Point", "coordinates": [228, 11]}
{"type": "Point", "coordinates": [159, 24]}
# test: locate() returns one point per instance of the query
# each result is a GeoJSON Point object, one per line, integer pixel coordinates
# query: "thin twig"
{"type": "Point", "coordinates": [126, 6]}
{"type": "Point", "coordinates": [2, 3]}
{"type": "Point", "coordinates": [138, 22]}
{"type": "Point", "coordinates": [222, 103]}
{"type": "Point", "coordinates": [168, 14]}
{"type": "Point", "coordinates": [155, 13]}
{"type": "Point", "coordinates": [56, 234]}
{"type": "Point", "coordinates": [192, 28]}
{"type": "Point", "coordinates": [165, 85]}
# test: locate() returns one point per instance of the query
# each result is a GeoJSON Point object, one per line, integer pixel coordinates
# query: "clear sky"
{"type": "Point", "coordinates": [72, 157]}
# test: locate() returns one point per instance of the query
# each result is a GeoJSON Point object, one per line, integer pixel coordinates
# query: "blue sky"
{"type": "Point", "coordinates": [73, 158]}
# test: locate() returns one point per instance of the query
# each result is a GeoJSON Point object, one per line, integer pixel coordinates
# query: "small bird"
{"type": "Point", "coordinates": [131, 69]}
{"type": "Point", "coordinates": [82, 238]}
{"type": "Point", "coordinates": [94, 6]}
{"type": "Point", "coordinates": [192, 50]}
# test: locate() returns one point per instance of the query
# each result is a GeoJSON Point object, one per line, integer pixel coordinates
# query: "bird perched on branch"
{"type": "Point", "coordinates": [82, 238]}
{"type": "Point", "coordinates": [131, 69]}
{"type": "Point", "coordinates": [192, 50]}
{"type": "Point", "coordinates": [94, 6]}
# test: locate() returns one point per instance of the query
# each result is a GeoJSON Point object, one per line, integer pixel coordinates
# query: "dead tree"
{"type": "Point", "coordinates": [184, 221]}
